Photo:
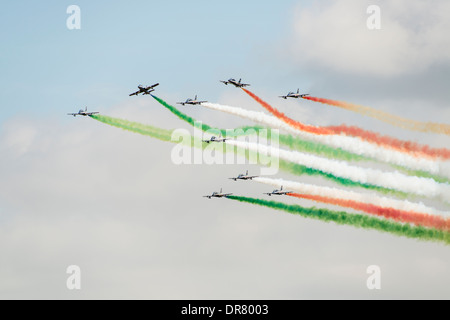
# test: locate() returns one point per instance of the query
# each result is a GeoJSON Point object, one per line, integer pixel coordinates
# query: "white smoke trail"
{"type": "Point", "coordinates": [371, 199]}
{"type": "Point", "coordinates": [391, 180]}
{"type": "Point", "coordinates": [350, 144]}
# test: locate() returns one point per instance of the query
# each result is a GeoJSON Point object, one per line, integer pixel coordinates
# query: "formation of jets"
{"type": "Point", "coordinates": [82, 113]}
{"type": "Point", "coordinates": [218, 195]}
{"type": "Point", "coordinates": [144, 90]}
{"type": "Point", "coordinates": [235, 83]}
{"type": "Point", "coordinates": [246, 176]}
{"type": "Point", "coordinates": [215, 139]}
{"type": "Point", "coordinates": [277, 192]}
{"type": "Point", "coordinates": [243, 177]}
{"type": "Point", "coordinates": [295, 95]}
{"type": "Point", "coordinates": [192, 102]}
{"type": "Point", "coordinates": [149, 89]}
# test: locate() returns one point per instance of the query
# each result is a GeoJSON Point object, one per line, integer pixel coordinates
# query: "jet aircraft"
{"type": "Point", "coordinates": [243, 177]}
{"type": "Point", "coordinates": [235, 83]}
{"type": "Point", "coordinates": [144, 90]}
{"type": "Point", "coordinates": [215, 139]}
{"type": "Point", "coordinates": [191, 102]}
{"type": "Point", "coordinates": [278, 192]}
{"type": "Point", "coordinates": [218, 195]}
{"type": "Point", "coordinates": [295, 95]}
{"type": "Point", "coordinates": [82, 113]}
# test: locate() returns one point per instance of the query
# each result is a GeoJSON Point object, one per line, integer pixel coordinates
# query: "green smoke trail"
{"type": "Point", "coordinates": [205, 127]}
{"type": "Point", "coordinates": [355, 220]}
{"type": "Point", "coordinates": [320, 149]}
{"type": "Point", "coordinates": [295, 143]}
{"type": "Point", "coordinates": [287, 140]}
{"type": "Point", "coordinates": [154, 132]}
{"type": "Point", "coordinates": [299, 170]}
{"type": "Point", "coordinates": [422, 174]}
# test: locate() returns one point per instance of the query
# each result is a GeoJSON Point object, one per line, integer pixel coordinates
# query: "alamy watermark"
{"type": "Point", "coordinates": [73, 22]}
{"type": "Point", "coordinates": [74, 280]}
{"type": "Point", "coordinates": [235, 146]}
{"type": "Point", "coordinates": [374, 20]}
{"type": "Point", "coordinates": [374, 280]}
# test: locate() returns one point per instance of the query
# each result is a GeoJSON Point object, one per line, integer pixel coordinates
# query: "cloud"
{"type": "Point", "coordinates": [333, 34]}
{"type": "Point", "coordinates": [18, 137]}
{"type": "Point", "coordinates": [75, 191]}
{"type": "Point", "coordinates": [111, 202]}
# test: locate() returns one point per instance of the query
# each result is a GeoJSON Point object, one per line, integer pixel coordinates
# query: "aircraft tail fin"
{"type": "Point", "coordinates": [298, 90]}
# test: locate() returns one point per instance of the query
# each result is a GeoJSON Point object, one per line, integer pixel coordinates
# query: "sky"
{"type": "Point", "coordinates": [74, 191]}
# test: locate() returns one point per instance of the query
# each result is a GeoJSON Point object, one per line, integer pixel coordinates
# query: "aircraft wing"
{"type": "Point", "coordinates": [134, 93]}
{"type": "Point", "coordinates": [284, 97]}
{"type": "Point", "coordinates": [151, 87]}
{"type": "Point", "coordinates": [72, 114]}
{"type": "Point", "coordinates": [226, 82]}
{"type": "Point", "coordinates": [91, 113]}
{"type": "Point", "coordinates": [244, 85]}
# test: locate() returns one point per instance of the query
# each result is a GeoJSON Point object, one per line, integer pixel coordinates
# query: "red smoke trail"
{"type": "Point", "coordinates": [386, 117]}
{"type": "Point", "coordinates": [416, 218]}
{"type": "Point", "coordinates": [387, 141]}
{"type": "Point", "coordinates": [369, 136]}
{"type": "Point", "coordinates": [289, 121]}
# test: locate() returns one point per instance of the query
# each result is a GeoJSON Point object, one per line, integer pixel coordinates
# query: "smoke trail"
{"type": "Point", "coordinates": [416, 218]}
{"type": "Point", "coordinates": [204, 127]}
{"type": "Point", "coordinates": [365, 135]}
{"type": "Point", "coordinates": [297, 169]}
{"type": "Point", "coordinates": [300, 170]}
{"type": "Point", "coordinates": [165, 135]}
{"type": "Point", "coordinates": [287, 140]}
{"type": "Point", "coordinates": [386, 117]}
{"type": "Point", "coordinates": [366, 198]}
{"type": "Point", "coordinates": [307, 145]}
{"type": "Point", "coordinates": [391, 180]}
{"type": "Point", "coordinates": [282, 116]}
{"type": "Point", "coordinates": [390, 142]}
{"type": "Point", "coordinates": [355, 220]}
{"type": "Point", "coordinates": [423, 174]}
{"type": "Point", "coordinates": [385, 141]}
{"type": "Point", "coordinates": [158, 133]}
{"type": "Point", "coordinates": [350, 144]}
